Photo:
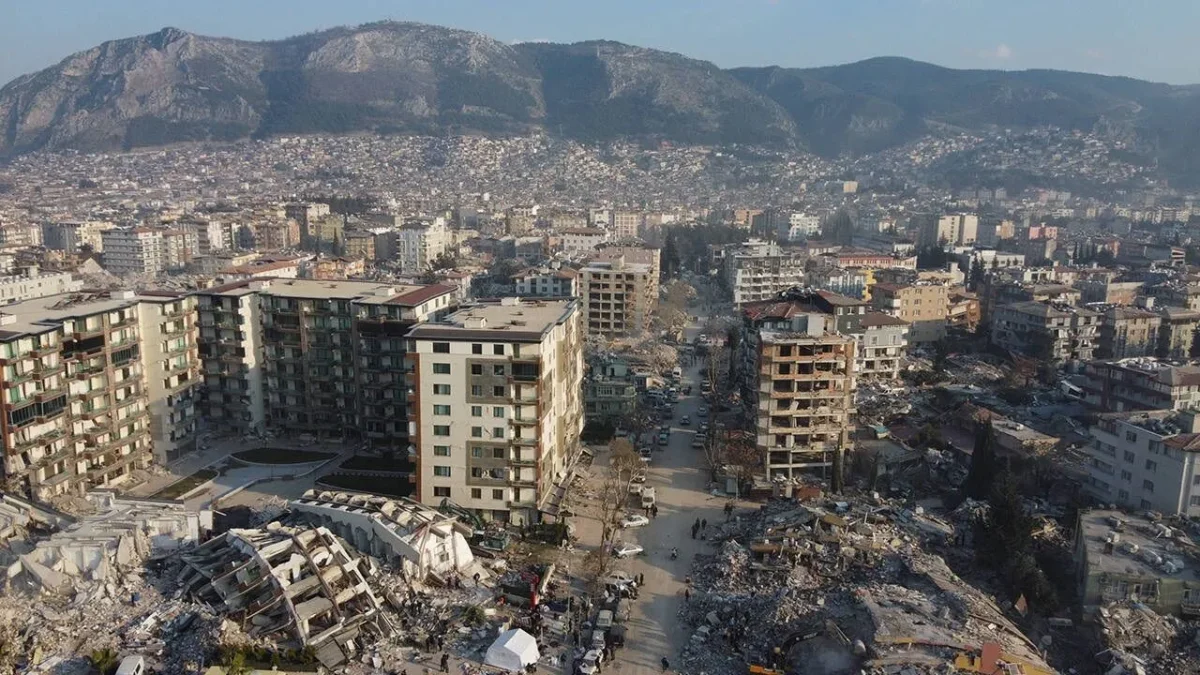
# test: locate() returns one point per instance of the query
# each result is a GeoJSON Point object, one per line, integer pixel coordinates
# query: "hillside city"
{"type": "Point", "coordinates": [396, 404]}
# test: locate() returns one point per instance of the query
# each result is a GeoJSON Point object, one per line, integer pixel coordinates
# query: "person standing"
{"type": "Point", "coordinates": [665, 664]}
{"type": "Point", "coordinates": [445, 663]}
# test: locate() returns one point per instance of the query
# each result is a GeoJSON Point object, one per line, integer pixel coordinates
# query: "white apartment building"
{"type": "Point", "coordinates": [498, 413]}
{"type": "Point", "coordinates": [882, 345]}
{"type": "Point", "coordinates": [420, 242]}
{"type": "Point", "coordinates": [134, 250]}
{"type": "Point", "coordinates": [547, 283]}
{"type": "Point", "coordinates": [760, 270]}
{"type": "Point", "coordinates": [582, 239]}
{"type": "Point", "coordinates": [209, 235]}
{"type": "Point", "coordinates": [959, 229]}
{"type": "Point", "coordinates": [1146, 461]}
{"type": "Point", "coordinates": [627, 224]}
{"type": "Point", "coordinates": [32, 283]}
{"type": "Point", "coordinates": [802, 226]}
{"type": "Point", "coordinates": [94, 387]}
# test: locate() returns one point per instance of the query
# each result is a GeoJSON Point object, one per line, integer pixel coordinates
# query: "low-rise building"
{"type": "Point", "coordinates": [547, 283]}
{"type": "Point", "coordinates": [1046, 330]}
{"type": "Point", "coordinates": [1141, 384]}
{"type": "Point", "coordinates": [1126, 557]}
{"type": "Point", "coordinates": [31, 283]}
{"type": "Point", "coordinates": [582, 239]}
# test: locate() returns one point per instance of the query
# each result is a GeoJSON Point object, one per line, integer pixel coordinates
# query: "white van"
{"type": "Point", "coordinates": [648, 499]}
{"type": "Point", "coordinates": [132, 665]}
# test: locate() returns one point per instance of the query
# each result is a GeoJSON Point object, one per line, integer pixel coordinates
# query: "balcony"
{"type": "Point", "coordinates": [525, 441]}
{"type": "Point", "coordinates": [525, 421]}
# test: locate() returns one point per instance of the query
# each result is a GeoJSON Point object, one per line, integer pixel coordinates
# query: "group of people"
{"type": "Point", "coordinates": [699, 527]}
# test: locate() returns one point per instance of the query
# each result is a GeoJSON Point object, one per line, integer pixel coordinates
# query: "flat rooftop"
{"type": "Point", "coordinates": [364, 292]}
{"type": "Point", "coordinates": [1154, 542]}
{"type": "Point", "coordinates": [507, 319]}
{"type": "Point", "coordinates": [39, 315]}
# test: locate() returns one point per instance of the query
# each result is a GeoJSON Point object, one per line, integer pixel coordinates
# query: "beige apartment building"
{"type": "Point", "coordinates": [498, 411]}
{"type": "Point", "coordinates": [301, 356]}
{"type": "Point", "coordinates": [924, 305]}
{"type": "Point", "coordinates": [1127, 332]}
{"type": "Point", "coordinates": [619, 296]}
{"type": "Point", "coordinates": [95, 386]}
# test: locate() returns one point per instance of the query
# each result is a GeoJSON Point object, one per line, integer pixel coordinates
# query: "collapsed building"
{"type": "Point", "coordinates": [293, 585]}
{"type": "Point", "coordinates": [119, 535]}
{"type": "Point", "coordinates": [419, 540]}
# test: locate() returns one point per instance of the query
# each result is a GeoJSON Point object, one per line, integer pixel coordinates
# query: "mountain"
{"type": "Point", "coordinates": [174, 86]}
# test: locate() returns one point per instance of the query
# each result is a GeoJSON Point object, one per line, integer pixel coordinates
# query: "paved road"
{"type": "Point", "coordinates": [681, 483]}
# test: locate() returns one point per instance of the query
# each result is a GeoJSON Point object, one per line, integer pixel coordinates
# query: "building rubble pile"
{"type": "Point", "coordinates": [852, 590]}
{"type": "Point", "coordinates": [1140, 641]}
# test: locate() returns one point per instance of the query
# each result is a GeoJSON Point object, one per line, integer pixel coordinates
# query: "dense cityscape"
{"type": "Point", "coordinates": [387, 403]}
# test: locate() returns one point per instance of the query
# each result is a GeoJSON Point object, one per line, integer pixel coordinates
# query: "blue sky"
{"type": "Point", "coordinates": [1150, 39]}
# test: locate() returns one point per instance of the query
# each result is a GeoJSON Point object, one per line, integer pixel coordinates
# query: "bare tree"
{"type": "Point", "coordinates": [742, 455]}
{"type": "Point", "coordinates": [596, 565]}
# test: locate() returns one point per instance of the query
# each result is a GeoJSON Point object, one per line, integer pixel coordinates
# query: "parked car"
{"type": "Point", "coordinates": [646, 455]}
{"type": "Point", "coordinates": [702, 412]}
{"type": "Point", "coordinates": [624, 549]}
{"type": "Point", "coordinates": [685, 420]}
{"type": "Point", "coordinates": [635, 520]}
{"type": "Point", "coordinates": [590, 663]}
{"type": "Point", "coordinates": [698, 442]}
{"type": "Point", "coordinates": [132, 665]}
{"type": "Point", "coordinates": [703, 428]}
{"type": "Point", "coordinates": [664, 439]}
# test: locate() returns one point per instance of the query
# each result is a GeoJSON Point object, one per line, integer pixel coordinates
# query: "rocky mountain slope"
{"type": "Point", "coordinates": [174, 86]}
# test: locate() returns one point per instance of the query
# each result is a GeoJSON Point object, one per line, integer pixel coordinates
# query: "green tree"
{"type": "Point", "coordinates": [104, 661]}
{"type": "Point", "coordinates": [983, 463]}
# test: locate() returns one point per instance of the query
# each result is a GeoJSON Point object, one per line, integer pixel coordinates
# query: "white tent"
{"type": "Point", "coordinates": [512, 651]}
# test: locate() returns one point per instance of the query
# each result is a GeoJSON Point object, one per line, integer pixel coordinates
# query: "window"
{"type": "Point", "coordinates": [441, 410]}
{"type": "Point", "coordinates": [441, 389]}
{"type": "Point", "coordinates": [1129, 457]}
{"type": "Point", "coordinates": [441, 471]}
{"type": "Point", "coordinates": [476, 411]}
{"type": "Point", "coordinates": [1156, 447]}
{"type": "Point", "coordinates": [1196, 480]}
{"type": "Point", "coordinates": [498, 370]}
{"type": "Point", "coordinates": [441, 451]}
{"type": "Point", "coordinates": [441, 492]}
{"type": "Point", "coordinates": [476, 368]}
{"type": "Point", "coordinates": [498, 350]}
{"type": "Point", "coordinates": [498, 494]}
{"type": "Point", "coordinates": [1151, 465]}
{"type": "Point", "coordinates": [476, 348]}
{"type": "Point", "coordinates": [497, 432]}
{"type": "Point", "coordinates": [441, 430]}
{"type": "Point", "coordinates": [477, 390]}
{"type": "Point", "coordinates": [1131, 437]}
{"type": "Point", "coordinates": [476, 432]}
{"type": "Point", "coordinates": [441, 348]}
{"type": "Point", "coordinates": [477, 452]}
{"type": "Point", "coordinates": [476, 493]}
{"type": "Point", "coordinates": [1127, 476]}
{"type": "Point", "coordinates": [441, 369]}
{"type": "Point", "coordinates": [497, 453]}
{"type": "Point", "coordinates": [498, 411]}
{"type": "Point", "coordinates": [1148, 486]}
{"type": "Point", "coordinates": [1123, 495]}
{"type": "Point", "coordinates": [498, 390]}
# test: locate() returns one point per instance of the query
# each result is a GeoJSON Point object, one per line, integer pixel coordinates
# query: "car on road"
{"type": "Point", "coordinates": [635, 520]}
{"type": "Point", "coordinates": [703, 428]}
{"type": "Point", "coordinates": [663, 439]}
{"type": "Point", "coordinates": [698, 442]}
{"type": "Point", "coordinates": [702, 412]}
{"type": "Point", "coordinates": [646, 455]}
{"type": "Point", "coordinates": [624, 549]}
{"type": "Point", "coordinates": [685, 420]}
{"type": "Point", "coordinates": [639, 476]}
{"type": "Point", "coordinates": [590, 663]}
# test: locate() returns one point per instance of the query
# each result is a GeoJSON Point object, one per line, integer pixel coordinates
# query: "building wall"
{"type": "Point", "coordinates": [923, 306]}
{"type": "Point", "coordinates": [37, 285]}
{"type": "Point", "coordinates": [619, 299]}
{"type": "Point", "coordinates": [1130, 466]}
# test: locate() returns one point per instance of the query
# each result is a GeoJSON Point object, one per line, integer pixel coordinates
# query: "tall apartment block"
{"type": "Point", "coordinates": [805, 395]}
{"type": "Point", "coordinates": [619, 295]}
{"type": "Point", "coordinates": [95, 386]}
{"type": "Point", "coordinates": [760, 270]}
{"type": "Point", "coordinates": [318, 357]}
{"type": "Point", "coordinates": [498, 414]}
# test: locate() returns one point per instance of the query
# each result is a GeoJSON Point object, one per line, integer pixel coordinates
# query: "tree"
{"type": "Point", "coordinates": [596, 565]}
{"type": "Point", "coordinates": [1005, 543]}
{"type": "Point", "coordinates": [104, 660]}
{"type": "Point", "coordinates": [983, 463]}
{"type": "Point", "coordinates": [742, 455]}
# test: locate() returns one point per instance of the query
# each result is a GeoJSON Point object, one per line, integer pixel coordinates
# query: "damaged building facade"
{"type": "Point", "coordinates": [295, 586]}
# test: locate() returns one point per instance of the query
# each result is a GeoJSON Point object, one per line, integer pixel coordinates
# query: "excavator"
{"type": "Point", "coordinates": [778, 657]}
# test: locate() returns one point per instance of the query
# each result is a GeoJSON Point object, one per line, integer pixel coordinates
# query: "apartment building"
{"type": "Point", "coordinates": [1046, 330]}
{"type": "Point", "coordinates": [1177, 332]}
{"type": "Point", "coordinates": [142, 250]}
{"type": "Point", "coordinates": [498, 413]}
{"type": "Point", "coordinates": [276, 234]}
{"type": "Point", "coordinates": [1141, 384]}
{"type": "Point", "coordinates": [801, 226]}
{"type": "Point", "coordinates": [419, 243]}
{"type": "Point", "coordinates": [959, 229]}
{"type": "Point", "coordinates": [760, 270]}
{"type": "Point", "coordinates": [210, 235]}
{"type": "Point", "coordinates": [31, 283]}
{"type": "Point", "coordinates": [547, 283]}
{"type": "Point", "coordinates": [619, 297]}
{"type": "Point", "coordinates": [305, 212]}
{"type": "Point", "coordinates": [804, 402]}
{"type": "Point", "coordinates": [1146, 461]}
{"type": "Point", "coordinates": [627, 224]}
{"type": "Point", "coordinates": [316, 357]}
{"type": "Point", "coordinates": [95, 386]}
{"type": "Point", "coordinates": [582, 239]}
{"type": "Point", "coordinates": [72, 236]}
{"type": "Point", "coordinates": [924, 305]}
{"type": "Point", "coordinates": [1127, 332]}
{"type": "Point", "coordinates": [882, 346]}
{"type": "Point", "coordinates": [360, 244]}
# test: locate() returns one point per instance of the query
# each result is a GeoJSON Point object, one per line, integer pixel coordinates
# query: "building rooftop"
{"type": "Point", "coordinates": [1124, 543]}
{"type": "Point", "coordinates": [39, 315]}
{"type": "Point", "coordinates": [873, 319]}
{"type": "Point", "coordinates": [506, 320]}
{"type": "Point", "coordinates": [1171, 374]}
{"type": "Point", "coordinates": [364, 292]}
{"type": "Point", "coordinates": [1048, 310]}
{"type": "Point", "coordinates": [1164, 423]}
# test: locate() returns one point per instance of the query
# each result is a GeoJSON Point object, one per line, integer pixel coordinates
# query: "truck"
{"type": "Point", "coordinates": [648, 498]}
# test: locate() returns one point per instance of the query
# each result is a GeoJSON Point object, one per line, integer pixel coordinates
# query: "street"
{"type": "Point", "coordinates": [679, 477]}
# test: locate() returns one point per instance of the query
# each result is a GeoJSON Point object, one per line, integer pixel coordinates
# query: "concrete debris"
{"type": "Point", "coordinates": [1139, 640]}
{"type": "Point", "coordinates": [290, 584]}
{"type": "Point", "coordinates": [850, 588]}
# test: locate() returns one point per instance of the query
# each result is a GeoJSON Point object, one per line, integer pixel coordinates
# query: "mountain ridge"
{"type": "Point", "coordinates": [399, 77]}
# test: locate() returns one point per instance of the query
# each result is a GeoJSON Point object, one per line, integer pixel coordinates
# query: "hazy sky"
{"type": "Point", "coordinates": [1151, 39]}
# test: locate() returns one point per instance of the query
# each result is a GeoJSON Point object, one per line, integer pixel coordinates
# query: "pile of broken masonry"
{"type": "Point", "coordinates": [852, 591]}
